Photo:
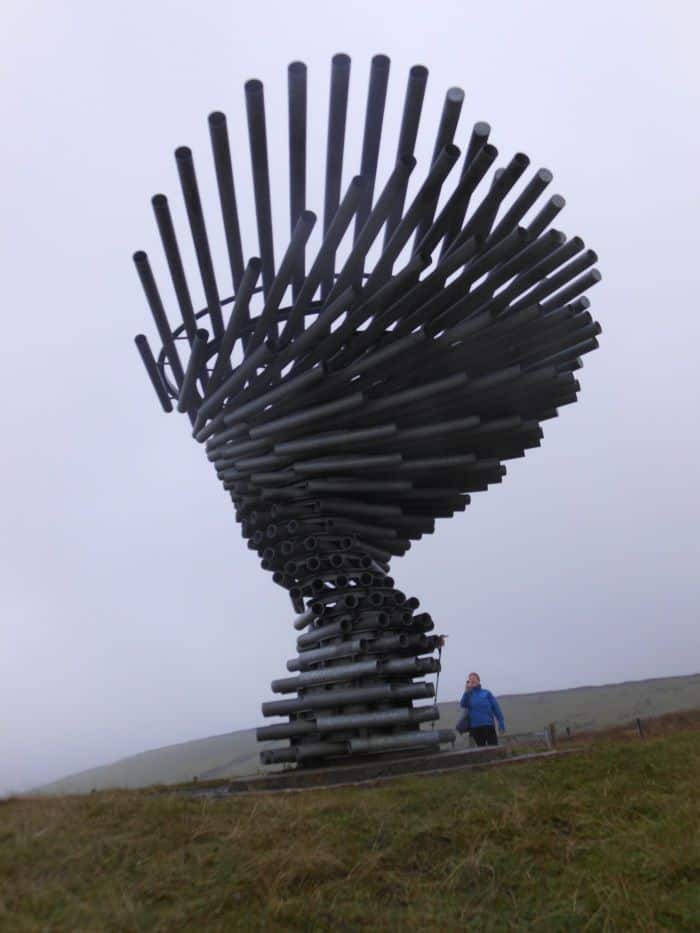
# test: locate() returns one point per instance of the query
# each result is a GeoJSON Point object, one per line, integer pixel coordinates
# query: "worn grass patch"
{"type": "Point", "coordinates": [605, 840]}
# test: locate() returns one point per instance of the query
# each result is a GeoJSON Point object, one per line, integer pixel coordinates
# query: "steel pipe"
{"type": "Point", "coordinates": [296, 76]}
{"type": "Point", "coordinates": [419, 208]}
{"type": "Point", "coordinates": [413, 104]}
{"type": "Point", "coordinates": [349, 696]}
{"type": "Point", "coordinates": [149, 362]}
{"type": "Point", "coordinates": [309, 658]}
{"type": "Point", "coordinates": [383, 743]}
{"type": "Point", "coordinates": [221, 150]}
{"type": "Point", "coordinates": [374, 115]}
{"type": "Point", "coordinates": [196, 363]}
{"type": "Point", "coordinates": [257, 136]}
{"type": "Point", "coordinates": [337, 116]}
{"type": "Point", "coordinates": [161, 211]}
{"type": "Point", "coordinates": [451, 110]}
{"type": "Point", "coordinates": [153, 298]}
{"type": "Point", "coordinates": [381, 719]}
{"type": "Point", "coordinates": [195, 214]}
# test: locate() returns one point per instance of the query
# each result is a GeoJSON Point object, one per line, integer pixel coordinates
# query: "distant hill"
{"type": "Point", "coordinates": [236, 753]}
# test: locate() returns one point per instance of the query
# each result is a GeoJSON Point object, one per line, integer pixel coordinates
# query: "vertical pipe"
{"type": "Point", "coordinates": [413, 104]}
{"type": "Point", "coordinates": [374, 116]}
{"type": "Point", "coordinates": [353, 269]}
{"type": "Point", "coordinates": [255, 109]}
{"type": "Point", "coordinates": [172, 255]}
{"type": "Point", "coordinates": [149, 362]}
{"type": "Point", "coordinates": [238, 319]}
{"type": "Point", "coordinates": [546, 216]}
{"type": "Point", "coordinates": [477, 141]}
{"type": "Point", "coordinates": [266, 323]}
{"type": "Point", "coordinates": [337, 116]}
{"type": "Point", "coordinates": [446, 130]}
{"type": "Point", "coordinates": [143, 267]}
{"type": "Point", "coordinates": [324, 259]}
{"type": "Point", "coordinates": [296, 76]}
{"type": "Point", "coordinates": [458, 200]}
{"type": "Point", "coordinates": [430, 187]}
{"type": "Point", "coordinates": [521, 205]}
{"type": "Point", "coordinates": [221, 150]}
{"type": "Point", "coordinates": [190, 192]}
{"type": "Point", "coordinates": [481, 221]}
{"type": "Point", "coordinates": [186, 398]}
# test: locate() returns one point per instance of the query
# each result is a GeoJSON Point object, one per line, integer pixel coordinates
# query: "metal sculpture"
{"type": "Point", "coordinates": [350, 400]}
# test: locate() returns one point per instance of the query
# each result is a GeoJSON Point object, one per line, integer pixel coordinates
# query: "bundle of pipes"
{"type": "Point", "coordinates": [350, 397]}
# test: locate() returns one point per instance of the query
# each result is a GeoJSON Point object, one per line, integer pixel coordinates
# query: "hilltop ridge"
{"type": "Point", "coordinates": [236, 753]}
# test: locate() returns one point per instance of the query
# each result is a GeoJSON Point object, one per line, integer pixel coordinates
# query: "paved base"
{"type": "Point", "coordinates": [371, 771]}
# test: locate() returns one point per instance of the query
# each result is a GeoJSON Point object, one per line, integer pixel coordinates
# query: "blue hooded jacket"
{"type": "Point", "coordinates": [483, 707]}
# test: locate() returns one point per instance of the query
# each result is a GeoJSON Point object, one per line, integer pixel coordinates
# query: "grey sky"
{"type": "Point", "coordinates": [131, 614]}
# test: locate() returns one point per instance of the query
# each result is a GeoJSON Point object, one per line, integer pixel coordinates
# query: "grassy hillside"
{"type": "Point", "coordinates": [603, 840]}
{"type": "Point", "coordinates": [236, 753]}
{"type": "Point", "coordinates": [586, 708]}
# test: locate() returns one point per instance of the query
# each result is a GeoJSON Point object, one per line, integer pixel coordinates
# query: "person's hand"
{"type": "Point", "coordinates": [501, 729]}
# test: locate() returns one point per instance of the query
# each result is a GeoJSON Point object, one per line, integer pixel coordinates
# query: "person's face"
{"type": "Point", "coordinates": [472, 681]}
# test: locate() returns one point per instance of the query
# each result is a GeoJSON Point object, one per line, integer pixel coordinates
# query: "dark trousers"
{"type": "Point", "coordinates": [484, 735]}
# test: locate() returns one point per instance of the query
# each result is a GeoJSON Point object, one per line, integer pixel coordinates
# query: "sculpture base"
{"type": "Point", "coordinates": [375, 769]}
{"type": "Point", "coordinates": [362, 648]}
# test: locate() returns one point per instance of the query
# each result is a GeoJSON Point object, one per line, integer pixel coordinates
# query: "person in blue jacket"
{"type": "Point", "coordinates": [480, 710]}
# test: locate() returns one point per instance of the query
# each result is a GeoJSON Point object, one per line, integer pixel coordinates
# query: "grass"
{"type": "Point", "coordinates": [607, 839]}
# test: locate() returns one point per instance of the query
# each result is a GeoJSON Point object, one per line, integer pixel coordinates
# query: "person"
{"type": "Point", "coordinates": [480, 710]}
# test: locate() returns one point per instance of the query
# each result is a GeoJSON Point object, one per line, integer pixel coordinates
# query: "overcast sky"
{"type": "Point", "coordinates": [132, 614]}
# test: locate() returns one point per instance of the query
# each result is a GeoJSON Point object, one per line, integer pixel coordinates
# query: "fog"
{"type": "Point", "coordinates": [132, 615]}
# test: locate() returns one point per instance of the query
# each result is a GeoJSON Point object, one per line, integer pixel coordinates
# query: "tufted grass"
{"type": "Point", "coordinates": [608, 839]}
